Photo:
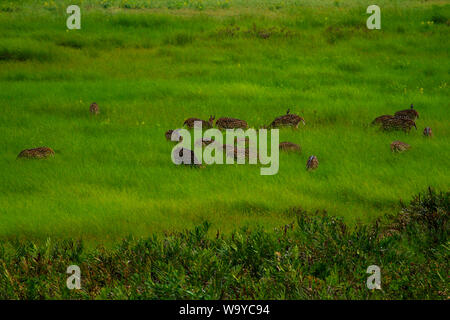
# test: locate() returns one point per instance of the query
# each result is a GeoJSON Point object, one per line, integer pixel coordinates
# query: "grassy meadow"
{"type": "Point", "coordinates": [151, 64]}
{"type": "Point", "coordinates": [316, 257]}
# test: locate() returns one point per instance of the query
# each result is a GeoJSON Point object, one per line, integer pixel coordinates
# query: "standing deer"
{"type": "Point", "coordinates": [312, 163]}
{"type": "Point", "coordinates": [398, 124]}
{"type": "Point", "coordinates": [381, 119]}
{"type": "Point", "coordinates": [94, 109]}
{"type": "Point", "coordinates": [427, 132]}
{"type": "Point", "coordinates": [410, 114]}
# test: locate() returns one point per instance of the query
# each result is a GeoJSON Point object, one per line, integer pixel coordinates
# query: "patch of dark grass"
{"type": "Point", "coordinates": [439, 18]}
{"type": "Point", "coordinates": [74, 43]}
{"type": "Point", "coordinates": [24, 53]}
{"type": "Point", "coordinates": [233, 31]}
{"type": "Point", "coordinates": [248, 207]}
{"type": "Point", "coordinates": [333, 34]}
{"type": "Point", "coordinates": [111, 42]}
{"type": "Point", "coordinates": [352, 67]}
{"type": "Point", "coordinates": [180, 39]}
{"type": "Point", "coordinates": [9, 7]}
{"type": "Point", "coordinates": [155, 22]}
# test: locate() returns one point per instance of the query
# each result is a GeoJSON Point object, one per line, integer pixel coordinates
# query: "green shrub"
{"type": "Point", "coordinates": [319, 257]}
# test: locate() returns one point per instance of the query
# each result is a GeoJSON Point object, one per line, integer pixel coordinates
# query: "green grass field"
{"type": "Point", "coordinates": [152, 64]}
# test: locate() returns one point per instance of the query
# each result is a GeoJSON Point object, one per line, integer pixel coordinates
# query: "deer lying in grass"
{"type": "Point", "coordinates": [231, 123]}
{"type": "Point", "coordinates": [205, 124]}
{"type": "Point", "coordinates": [398, 146]}
{"type": "Point", "coordinates": [169, 133]}
{"type": "Point", "coordinates": [289, 147]}
{"type": "Point", "coordinates": [37, 153]}
{"type": "Point", "coordinates": [287, 120]}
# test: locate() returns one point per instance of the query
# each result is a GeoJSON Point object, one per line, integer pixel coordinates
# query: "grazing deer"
{"type": "Point", "coordinates": [37, 153]}
{"type": "Point", "coordinates": [234, 151]}
{"type": "Point", "coordinates": [205, 124]}
{"type": "Point", "coordinates": [94, 109]}
{"type": "Point", "coordinates": [398, 146]}
{"type": "Point", "coordinates": [312, 163]}
{"type": "Point", "coordinates": [169, 133]}
{"type": "Point", "coordinates": [398, 124]}
{"type": "Point", "coordinates": [192, 159]}
{"type": "Point", "coordinates": [289, 147]}
{"type": "Point", "coordinates": [287, 120]}
{"type": "Point", "coordinates": [410, 114]}
{"type": "Point", "coordinates": [381, 119]}
{"type": "Point", "coordinates": [231, 123]}
{"type": "Point", "coordinates": [427, 132]}
{"type": "Point", "coordinates": [204, 142]}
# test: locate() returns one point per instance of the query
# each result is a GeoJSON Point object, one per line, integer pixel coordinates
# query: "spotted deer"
{"type": "Point", "coordinates": [381, 119]}
{"type": "Point", "coordinates": [231, 123]}
{"type": "Point", "coordinates": [398, 124]}
{"type": "Point", "coordinates": [37, 153]}
{"type": "Point", "coordinates": [94, 109]}
{"type": "Point", "coordinates": [427, 132]}
{"type": "Point", "coordinates": [312, 163]}
{"type": "Point", "coordinates": [289, 147]}
{"type": "Point", "coordinates": [205, 124]}
{"type": "Point", "coordinates": [191, 160]}
{"type": "Point", "coordinates": [234, 151]}
{"type": "Point", "coordinates": [410, 114]}
{"type": "Point", "coordinates": [169, 133]}
{"type": "Point", "coordinates": [398, 146]}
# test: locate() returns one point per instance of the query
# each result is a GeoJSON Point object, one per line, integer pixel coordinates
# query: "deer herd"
{"type": "Point", "coordinates": [402, 120]}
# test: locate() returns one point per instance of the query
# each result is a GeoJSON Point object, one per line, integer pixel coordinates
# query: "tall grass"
{"type": "Point", "coordinates": [150, 69]}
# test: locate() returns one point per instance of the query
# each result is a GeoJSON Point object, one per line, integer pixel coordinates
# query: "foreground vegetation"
{"type": "Point", "coordinates": [318, 257]}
